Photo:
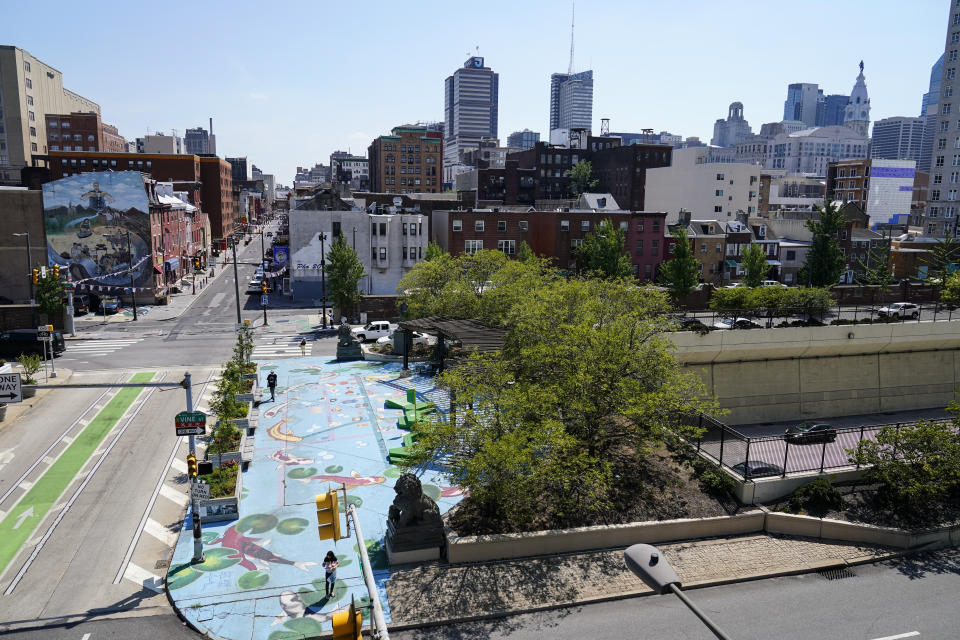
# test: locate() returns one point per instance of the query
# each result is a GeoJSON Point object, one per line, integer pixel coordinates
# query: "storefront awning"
{"type": "Point", "coordinates": [773, 263]}
{"type": "Point", "coordinates": [171, 264]}
{"type": "Point", "coordinates": [732, 263]}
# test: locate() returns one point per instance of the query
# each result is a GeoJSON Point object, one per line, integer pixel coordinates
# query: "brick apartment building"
{"type": "Point", "coordinates": [207, 179]}
{"type": "Point", "coordinates": [554, 234]}
{"type": "Point", "coordinates": [410, 160]}
{"type": "Point", "coordinates": [82, 131]}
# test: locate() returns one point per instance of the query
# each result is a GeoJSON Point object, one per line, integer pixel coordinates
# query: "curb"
{"type": "Point", "coordinates": [635, 593]}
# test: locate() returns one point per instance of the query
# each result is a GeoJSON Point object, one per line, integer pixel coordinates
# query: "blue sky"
{"type": "Point", "coordinates": [287, 83]}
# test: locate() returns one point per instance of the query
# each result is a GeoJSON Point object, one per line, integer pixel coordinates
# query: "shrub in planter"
{"type": "Point", "coordinates": [816, 498]}
{"type": "Point", "coordinates": [224, 438]}
{"type": "Point", "coordinates": [223, 480]}
{"type": "Point", "coordinates": [31, 365]}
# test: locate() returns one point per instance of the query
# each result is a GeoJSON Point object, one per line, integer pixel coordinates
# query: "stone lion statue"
{"type": "Point", "coordinates": [411, 508]}
{"type": "Point", "coordinates": [344, 336]}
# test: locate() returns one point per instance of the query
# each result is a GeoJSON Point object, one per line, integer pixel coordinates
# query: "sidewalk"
{"type": "Point", "coordinates": [17, 409]}
{"type": "Point", "coordinates": [435, 594]}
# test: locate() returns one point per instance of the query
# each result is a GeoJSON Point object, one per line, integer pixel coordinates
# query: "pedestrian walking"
{"type": "Point", "coordinates": [303, 346]}
{"type": "Point", "coordinates": [272, 384]}
{"type": "Point", "coordinates": [330, 564]}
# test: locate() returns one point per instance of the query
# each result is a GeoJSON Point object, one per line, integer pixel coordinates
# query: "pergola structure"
{"type": "Point", "coordinates": [473, 335]}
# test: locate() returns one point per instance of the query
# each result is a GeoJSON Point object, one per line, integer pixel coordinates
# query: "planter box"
{"type": "Point", "coordinates": [243, 454]}
{"type": "Point", "coordinates": [373, 356]}
{"type": "Point", "coordinates": [28, 391]}
{"type": "Point", "coordinates": [221, 509]}
{"type": "Point", "coordinates": [248, 424]}
{"type": "Point", "coordinates": [251, 396]}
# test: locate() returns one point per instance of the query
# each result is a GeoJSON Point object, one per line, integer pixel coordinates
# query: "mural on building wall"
{"type": "Point", "coordinates": [98, 227]}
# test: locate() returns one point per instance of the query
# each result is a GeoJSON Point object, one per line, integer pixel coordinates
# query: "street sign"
{"type": "Point", "coordinates": [264, 299]}
{"type": "Point", "coordinates": [200, 491]}
{"type": "Point", "coordinates": [44, 332]}
{"type": "Point", "coordinates": [10, 390]}
{"type": "Point", "coordinates": [190, 423]}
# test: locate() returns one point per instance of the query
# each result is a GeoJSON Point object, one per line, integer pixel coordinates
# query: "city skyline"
{"type": "Point", "coordinates": [281, 113]}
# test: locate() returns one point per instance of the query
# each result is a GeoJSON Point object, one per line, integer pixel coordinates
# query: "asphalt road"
{"type": "Point", "coordinates": [163, 627]}
{"type": "Point", "coordinates": [907, 598]}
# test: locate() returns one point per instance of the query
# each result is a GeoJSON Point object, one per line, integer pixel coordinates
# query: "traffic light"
{"type": "Point", "coordinates": [56, 272]}
{"type": "Point", "coordinates": [264, 288]}
{"type": "Point", "coordinates": [328, 516]}
{"type": "Point", "coordinates": [36, 276]}
{"type": "Point", "coordinates": [348, 624]}
{"type": "Point", "coordinates": [192, 466]}
{"type": "Point", "coordinates": [196, 264]}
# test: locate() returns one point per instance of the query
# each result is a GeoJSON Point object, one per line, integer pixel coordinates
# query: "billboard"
{"type": "Point", "coordinates": [98, 229]}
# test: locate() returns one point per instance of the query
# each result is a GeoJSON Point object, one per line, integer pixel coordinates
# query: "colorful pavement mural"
{"type": "Point", "coordinates": [262, 577]}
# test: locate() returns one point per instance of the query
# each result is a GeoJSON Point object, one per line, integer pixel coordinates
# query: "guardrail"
{"type": "Point", "coordinates": [711, 319]}
{"type": "Point", "coordinates": [731, 449]}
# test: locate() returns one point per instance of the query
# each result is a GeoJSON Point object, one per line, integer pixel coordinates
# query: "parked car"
{"type": "Point", "coordinates": [899, 310]}
{"type": "Point", "coordinates": [373, 330]}
{"type": "Point", "coordinates": [734, 285]}
{"type": "Point", "coordinates": [772, 283]}
{"type": "Point", "coordinates": [109, 304]}
{"type": "Point", "coordinates": [5, 300]}
{"type": "Point", "coordinates": [810, 432]}
{"type": "Point", "coordinates": [17, 341]}
{"type": "Point", "coordinates": [418, 338]}
{"type": "Point", "coordinates": [687, 323]}
{"type": "Point", "coordinates": [81, 304]}
{"type": "Point", "coordinates": [736, 323]}
{"type": "Point", "coordinates": [757, 469]}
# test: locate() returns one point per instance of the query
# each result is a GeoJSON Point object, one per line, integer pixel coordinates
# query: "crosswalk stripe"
{"type": "Point", "coordinates": [179, 465]}
{"type": "Point", "coordinates": [160, 532]}
{"type": "Point", "coordinates": [144, 578]}
{"type": "Point", "coordinates": [173, 495]}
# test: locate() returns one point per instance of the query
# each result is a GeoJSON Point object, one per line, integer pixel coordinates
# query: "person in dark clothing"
{"type": "Point", "coordinates": [330, 564]}
{"type": "Point", "coordinates": [272, 383]}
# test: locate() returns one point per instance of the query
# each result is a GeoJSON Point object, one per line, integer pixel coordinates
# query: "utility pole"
{"type": "Point", "coordinates": [263, 278]}
{"type": "Point", "coordinates": [323, 280]}
{"type": "Point", "coordinates": [133, 290]}
{"type": "Point", "coordinates": [194, 507]}
{"type": "Point", "coordinates": [236, 277]}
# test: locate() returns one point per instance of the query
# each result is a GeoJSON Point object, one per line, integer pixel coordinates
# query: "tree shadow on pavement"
{"type": "Point", "coordinates": [918, 566]}
{"type": "Point", "coordinates": [129, 603]}
{"type": "Point", "coordinates": [539, 622]}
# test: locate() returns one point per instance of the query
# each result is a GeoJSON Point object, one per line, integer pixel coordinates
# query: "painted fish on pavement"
{"type": "Point", "coordinates": [352, 481]}
{"type": "Point", "coordinates": [254, 556]}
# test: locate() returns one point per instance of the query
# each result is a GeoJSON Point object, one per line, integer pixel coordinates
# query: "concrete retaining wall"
{"type": "Point", "coordinates": [811, 372]}
{"type": "Point", "coordinates": [540, 543]}
{"type": "Point", "coordinates": [768, 489]}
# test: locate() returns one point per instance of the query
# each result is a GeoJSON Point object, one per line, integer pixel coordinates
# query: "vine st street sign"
{"type": "Point", "coordinates": [190, 423]}
{"type": "Point", "coordinates": [10, 390]}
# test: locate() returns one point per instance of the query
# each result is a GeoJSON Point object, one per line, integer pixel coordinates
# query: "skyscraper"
{"type": "Point", "coordinates": [830, 109]}
{"type": "Point", "coordinates": [571, 100]}
{"type": "Point", "coordinates": [928, 111]}
{"type": "Point", "coordinates": [940, 213]}
{"type": "Point", "coordinates": [897, 138]}
{"type": "Point", "coordinates": [525, 139]}
{"type": "Point", "coordinates": [856, 116]}
{"type": "Point", "coordinates": [198, 140]}
{"type": "Point", "coordinates": [470, 100]}
{"type": "Point", "coordinates": [733, 130]}
{"type": "Point", "coordinates": [801, 103]}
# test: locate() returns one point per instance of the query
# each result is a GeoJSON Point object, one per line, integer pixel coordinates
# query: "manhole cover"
{"type": "Point", "coordinates": [837, 574]}
{"type": "Point", "coordinates": [162, 564]}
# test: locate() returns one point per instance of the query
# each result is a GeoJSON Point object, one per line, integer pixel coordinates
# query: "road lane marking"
{"type": "Point", "coordinates": [160, 532]}
{"type": "Point", "coordinates": [179, 465]}
{"type": "Point", "coordinates": [26, 485]}
{"type": "Point", "coordinates": [144, 578]}
{"type": "Point", "coordinates": [86, 636]}
{"type": "Point", "coordinates": [43, 494]}
{"type": "Point", "coordinates": [909, 634]}
{"type": "Point", "coordinates": [174, 496]}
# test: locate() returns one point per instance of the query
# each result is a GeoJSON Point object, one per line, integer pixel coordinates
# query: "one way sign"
{"type": "Point", "coordinates": [10, 390]}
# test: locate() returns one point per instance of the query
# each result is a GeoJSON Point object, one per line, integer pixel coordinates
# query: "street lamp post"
{"type": "Point", "coordinates": [263, 279]}
{"type": "Point", "coordinates": [236, 276]}
{"type": "Point", "coordinates": [645, 562]}
{"type": "Point", "coordinates": [133, 290]}
{"type": "Point", "coordinates": [33, 303]}
{"type": "Point", "coordinates": [323, 281]}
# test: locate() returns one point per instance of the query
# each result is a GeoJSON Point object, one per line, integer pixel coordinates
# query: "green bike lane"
{"type": "Point", "coordinates": [19, 524]}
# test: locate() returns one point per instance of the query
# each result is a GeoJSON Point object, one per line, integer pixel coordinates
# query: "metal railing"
{"type": "Point", "coordinates": [836, 315]}
{"type": "Point", "coordinates": [731, 449]}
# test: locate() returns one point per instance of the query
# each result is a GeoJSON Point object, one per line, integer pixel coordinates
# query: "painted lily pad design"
{"type": "Point", "coordinates": [292, 526]}
{"type": "Point", "coordinates": [431, 490]}
{"type": "Point", "coordinates": [217, 560]}
{"type": "Point", "coordinates": [256, 523]}
{"type": "Point", "coordinates": [392, 472]}
{"type": "Point", "coordinates": [301, 473]}
{"type": "Point", "coordinates": [344, 560]}
{"type": "Point", "coordinates": [181, 575]}
{"type": "Point", "coordinates": [311, 598]}
{"type": "Point", "coordinates": [209, 536]}
{"type": "Point", "coordinates": [377, 553]}
{"type": "Point", "coordinates": [300, 628]}
{"type": "Point", "coordinates": [253, 580]}
{"type": "Point", "coordinates": [354, 500]}
{"type": "Point", "coordinates": [334, 468]}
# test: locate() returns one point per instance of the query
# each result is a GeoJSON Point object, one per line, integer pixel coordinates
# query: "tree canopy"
{"type": "Point", "coordinates": [681, 272]}
{"type": "Point", "coordinates": [604, 252]}
{"type": "Point", "coordinates": [581, 177]}
{"type": "Point", "coordinates": [825, 261]}
{"type": "Point", "coordinates": [344, 272]}
{"type": "Point", "coordinates": [433, 251]}
{"type": "Point", "coordinates": [755, 267]}
{"type": "Point", "coordinates": [49, 292]}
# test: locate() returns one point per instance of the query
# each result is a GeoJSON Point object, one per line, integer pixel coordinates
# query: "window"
{"type": "Point", "coordinates": [945, 109]}
{"type": "Point", "coordinates": [937, 178]}
{"type": "Point", "coordinates": [719, 176]}
{"type": "Point", "coordinates": [472, 246]}
{"type": "Point", "coordinates": [26, 66]}
{"type": "Point", "coordinates": [654, 247]}
{"type": "Point", "coordinates": [65, 125]}
{"type": "Point", "coordinates": [383, 253]}
{"type": "Point", "coordinates": [53, 147]}
{"type": "Point", "coordinates": [639, 250]}
{"type": "Point", "coordinates": [373, 253]}
{"type": "Point", "coordinates": [718, 209]}
{"type": "Point", "coordinates": [31, 116]}
{"type": "Point", "coordinates": [33, 146]}
{"type": "Point", "coordinates": [33, 132]}
{"type": "Point", "coordinates": [938, 162]}
{"type": "Point", "coordinates": [404, 252]}
{"type": "Point", "coordinates": [404, 228]}
{"type": "Point", "coordinates": [564, 225]}
{"type": "Point", "coordinates": [656, 226]}
{"type": "Point", "coordinates": [478, 225]}
{"type": "Point", "coordinates": [507, 246]}
{"type": "Point", "coordinates": [942, 144]}
{"type": "Point", "coordinates": [718, 192]}
{"type": "Point", "coordinates": [951, 73]}
{"type": "Point", "coordinates": [383, 228]}
{"type": "Point", "coordinates": [954, 37]}
{"type": "Point", "coordinates": [523, 225]}
{"type": "Point", "coordinates": [29, 83]}
{"type": "Point", "coordinates": [719, 248]}
{"type": "Point", "coordinates": [458, 225]}
{"type": "Point", "coordinates": [948, 91]}
{"type": "Point", "coordinates": [501, 225]}
{"type": "Point", "coordinates": [646, 271]}
{"type": "Point", "coordinates": [30, 100]}
{"type": "Point", "coordinates": [639, 226]}
{"type": "Point", "coordinates": [703, 247]}
{"type": "Point", "coordinates": [584, 225]}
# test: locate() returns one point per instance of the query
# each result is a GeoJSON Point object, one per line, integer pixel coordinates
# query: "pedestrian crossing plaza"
{"type": "Point", "coordinates": [270, 347]}
{"type": "Point", "coordinates": [96, 347]}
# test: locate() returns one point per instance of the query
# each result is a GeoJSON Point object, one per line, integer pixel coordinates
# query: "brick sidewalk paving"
{"type": "Point", "coordinates": [433, 593]}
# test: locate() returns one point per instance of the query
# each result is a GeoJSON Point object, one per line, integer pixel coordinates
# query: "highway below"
{"type": "Point", "coordinates": [914, 597]}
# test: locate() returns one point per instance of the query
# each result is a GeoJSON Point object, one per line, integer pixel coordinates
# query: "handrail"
{"type": "Point", "coordinates": [381, 630]}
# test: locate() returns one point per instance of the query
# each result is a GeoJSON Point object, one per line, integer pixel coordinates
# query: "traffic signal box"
{"type": "Point", "coordinates": [192, 466]}
{"type": "Point", "coordinates": [328, 516]}
{"type": "Point", "coordinates": [347, 624]}
{"type": "Point", "coordinates": [56, 271]}
{"type": "Point", "coordinates": [36, 276]}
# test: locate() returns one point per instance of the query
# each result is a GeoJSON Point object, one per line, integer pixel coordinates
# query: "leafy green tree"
{"type": "Point", "coordinates": [344, 272]}
{"type": "Point", "coordinates": [917, 467]}
{"type": "Point", "coordinates": [943, 257]}
{"type": "Point", "coordinates": [525, 253]}
{"type": "Point", "coordinates": [434, 250]}
{"type": "Point", "coordinates": [604, 252]}
{"type": "Point", "coordinates": [876, 268]}
{"type": "Point", "coordinates": [553, 429]}
{"type": "Point", "coordinates": [950, 293]}
{"type": "Point", "coordinates": [777, 300]}
{"type": "Point", "coordinates": [755, 267]}
{"type": "Point", "coordinates": [681, 272]}
{"type": "Point", "coordinates": [825, 261]}
{"type": "Point", "coordinates": [581, 177]}
{"type": "Point", "coordinates": [49, 292]}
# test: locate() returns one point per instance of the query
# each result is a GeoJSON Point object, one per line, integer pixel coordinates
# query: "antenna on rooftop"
{"type": "Point", "coordinates": [573, 11]}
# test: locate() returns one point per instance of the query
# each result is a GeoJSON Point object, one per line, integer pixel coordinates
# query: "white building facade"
{"type": "Point", "coordinates": [812, 150]}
